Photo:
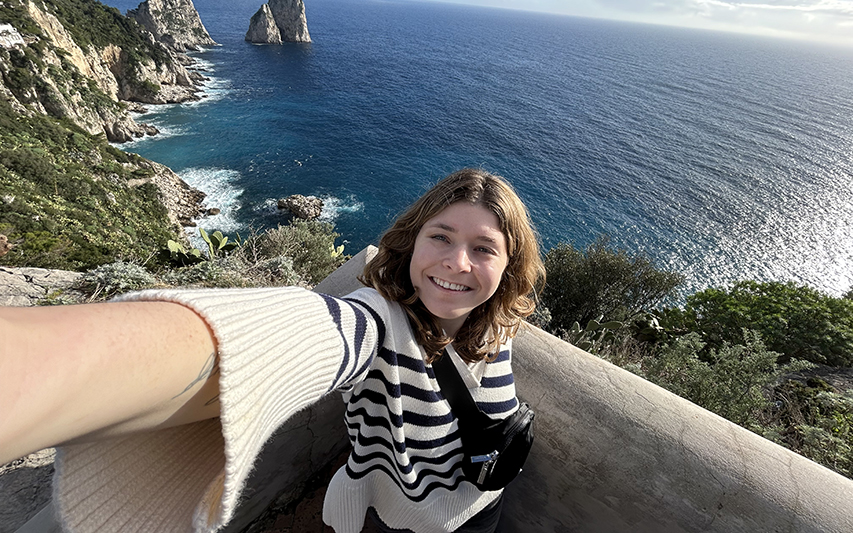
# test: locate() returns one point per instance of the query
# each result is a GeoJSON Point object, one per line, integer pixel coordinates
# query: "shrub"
{"type": "Point", "coordinates": [815, 421]}
{"type": "Point", "coordinates": [795, 320]}
{"type": "Point", "coordinates": [730, 381]}
{"type": "Point", "coordinates": [310, 245]}
{"type": "Point", "coordinates": [217, 272]}
{"type": "Point", "coordinates": [116, 278]}
{"type": "Point", "coordinates": [602, 282]}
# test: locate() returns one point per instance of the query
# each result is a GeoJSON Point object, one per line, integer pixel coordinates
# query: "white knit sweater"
{"type": "Point", "coordinates": [281, 350]}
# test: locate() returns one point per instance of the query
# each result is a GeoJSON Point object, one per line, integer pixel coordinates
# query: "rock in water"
{"type": "Point", "coordinates": [262, 27]}
{"type": "Point", "coordinates": [305, 207]}
{"type": "Point", "coordinates": [174, 23]}
{"type": "Point", "coordinates": [289, 20]}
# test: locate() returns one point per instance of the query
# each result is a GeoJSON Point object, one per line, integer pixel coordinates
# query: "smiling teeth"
{"type": "Point", "coordinates": [450, 286]}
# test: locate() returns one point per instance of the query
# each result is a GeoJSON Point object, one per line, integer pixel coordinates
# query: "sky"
{"type": "Point", "coordinates": [819, 20]}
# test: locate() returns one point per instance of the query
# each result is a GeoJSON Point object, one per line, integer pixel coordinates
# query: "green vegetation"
{"type": "Point", "coordinates": [310, 244]}
{"type": "Point", "coordinates": [65, 201]}
{"type": "Point", "coordinates": [602, 282]}
{"type": "Point", "coordinates": [798, 322]}
{"type": "Point", "coordinates": [297, 254]}
{"type": "Point", "coordinates": [750, 353]}
{"type": "Point", "coordinates": [94, 24]}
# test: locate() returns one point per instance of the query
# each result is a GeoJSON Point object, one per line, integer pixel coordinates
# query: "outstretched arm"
{"type": "Point", "coordinates": [82, 372]}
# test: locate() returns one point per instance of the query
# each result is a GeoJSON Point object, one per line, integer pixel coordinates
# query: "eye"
{"type": "Point", "coordinates": [485, 250]}
{"type": "Point", "coordinates": [440, 237]}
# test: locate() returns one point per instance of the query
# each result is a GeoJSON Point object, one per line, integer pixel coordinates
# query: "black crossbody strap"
{"type": "Point", "coordinates": [456, 393]}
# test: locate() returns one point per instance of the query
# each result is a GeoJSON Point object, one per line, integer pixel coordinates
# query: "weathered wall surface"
{"type": "Point", "coordinates": [615, 453]}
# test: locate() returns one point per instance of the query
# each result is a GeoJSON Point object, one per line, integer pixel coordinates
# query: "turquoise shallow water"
{"type": "Point", "coordinates": [724, 157]}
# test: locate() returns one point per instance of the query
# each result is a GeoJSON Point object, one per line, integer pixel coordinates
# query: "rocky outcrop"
{"type": "Point", "coordinates": [305, 207]}
{"type": "Point", "coordinates": [183, 203]}
{"type": "Point", "coordinates": [174, 23]}
{"type": "Point", "coordinates": [23, 287]}
{"type": "Point", "coordinates": [10, 38]}
{"type": "Point", "coordinates": [288, 17]}
{"type": "Point", "coordinates": [66, 72]}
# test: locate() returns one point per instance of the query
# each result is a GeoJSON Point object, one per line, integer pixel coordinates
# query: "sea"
{"type": "Point", "coordinates": [722, 156]}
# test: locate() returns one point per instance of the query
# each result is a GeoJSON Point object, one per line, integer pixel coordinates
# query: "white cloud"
{"type": "Point", "coordinates": [816, 19]}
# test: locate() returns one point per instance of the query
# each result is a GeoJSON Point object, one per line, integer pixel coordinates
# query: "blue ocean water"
{"type": "Point", "coordinates": [723, 156]}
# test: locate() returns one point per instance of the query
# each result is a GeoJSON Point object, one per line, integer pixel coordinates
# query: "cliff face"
{"type": "Point", "coordinates": [51, 63]}
{"type": "Point", "coordinates": [67, 198]}
{"type": "Point", "coordinates": [174, 23]}
{"type": "Point", "coordinates": [278, 21]}
{"type": "Point", "coordinates": [262, 27]}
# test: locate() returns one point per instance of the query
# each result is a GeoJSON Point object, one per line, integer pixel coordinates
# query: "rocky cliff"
{"type": "Point", "coordinates": [278, 21]}
{"type": "Point", "coordinates": [54, 63]}
{"type": "Point", "coordinates": [174, 23]}
{"type": "Point", "coordinates": [69, 72]}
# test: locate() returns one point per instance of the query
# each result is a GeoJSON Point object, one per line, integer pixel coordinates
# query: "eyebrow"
{"type": "Point", "coordinates": [451, 229]}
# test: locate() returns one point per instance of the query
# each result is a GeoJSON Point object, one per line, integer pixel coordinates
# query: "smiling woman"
{"type": "Point", "coordinates": [133, 389]}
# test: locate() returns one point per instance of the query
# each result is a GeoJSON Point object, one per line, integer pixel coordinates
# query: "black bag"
{"type": "Point", "coordinates": [495, 450]}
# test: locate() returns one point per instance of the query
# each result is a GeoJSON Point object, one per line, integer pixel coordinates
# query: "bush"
{"type": "Point", "coordinates": [116, 278]}
{"type": "Point", "coordinates": [815, 421]}
{"type": "Point", "coordinates": [731, 381]}
{"type": "Point", "coordinates": [602, 282]}
{"type": "Point", "coordinates": [795, 320]}
{"type": "Point", "coordinates": [309, 244]}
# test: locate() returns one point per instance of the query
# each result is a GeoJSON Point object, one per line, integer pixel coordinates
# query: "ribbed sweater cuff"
{"type": "Point", "coordinates": [279, 351]}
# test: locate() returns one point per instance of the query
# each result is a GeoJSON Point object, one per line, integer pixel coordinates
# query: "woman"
{"type": "Point", "coordinates": [456, 271]}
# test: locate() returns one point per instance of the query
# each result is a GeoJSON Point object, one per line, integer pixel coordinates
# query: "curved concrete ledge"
{"type": "Point", "coordinates": [613, 453]}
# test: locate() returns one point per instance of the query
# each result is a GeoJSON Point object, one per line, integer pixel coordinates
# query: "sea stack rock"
{"type": "Point", "coordinates": [174, 23]}
{"type": "Point", "coordinates": [262, 27]}
{"type": "Point", "coordinates": [278, 21]}
{"type": "Point", "coordinates": [304, 207]}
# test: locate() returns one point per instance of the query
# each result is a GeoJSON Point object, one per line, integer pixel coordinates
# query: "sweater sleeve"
{"type": "Point", "coordinates": [280, 350]}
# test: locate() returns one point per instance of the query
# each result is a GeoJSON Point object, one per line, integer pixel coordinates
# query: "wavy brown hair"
{"type": "Point", "coordinates": [497, 319]}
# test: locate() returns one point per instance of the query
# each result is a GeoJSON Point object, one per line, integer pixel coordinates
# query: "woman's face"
{"type": "Point", "coordinates": [457, 263]}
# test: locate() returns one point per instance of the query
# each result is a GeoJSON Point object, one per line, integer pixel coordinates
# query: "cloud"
{"type": "Point", "coordinates": [814, 18]}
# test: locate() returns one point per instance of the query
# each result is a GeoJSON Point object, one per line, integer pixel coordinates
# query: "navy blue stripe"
{"type": "Point", "coordinates": [403, 389]}
{"type": "Point", "coordinates": [335, 312]}
{"type": "Point", "coordinates": [502, 356]}
{"type": "Point", "coordinates": [428, 396]}
{"type": "Point", "coordinates": [423, 496]}
{"type": "Point", "coordinates": [380, 324]}
{"type": "Point", "coordinates": [494, 408]}
{"type": "Point", "coordinates": [408, 486]}
{"type": "Point", "coordinates": [377, 421]}
{"type": "Point", "coordinates": [417, 419]}
{"type": "Point", "coordinates": [392, 389]}
{"type": "Point", "coordinates": [414, 459]}
{"type": "Point", "coordinates": [397, 359]}
{"type": "Point", "coordinates": [496, 381]}
{"type": "Point", "coordinates": [358, 341]}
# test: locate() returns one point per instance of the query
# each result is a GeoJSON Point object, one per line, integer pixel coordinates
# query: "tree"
{"type": "Point", "coordinates": [602, 281]}
{"type": "Point", "coordinates": [795, 320]}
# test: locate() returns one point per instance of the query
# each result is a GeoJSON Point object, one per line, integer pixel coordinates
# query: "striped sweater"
{"type": "Point", "coordinates": [281, 350]}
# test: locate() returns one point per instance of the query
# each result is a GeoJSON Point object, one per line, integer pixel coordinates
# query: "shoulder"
{"type": "Point", "coordinates": [374, 302]}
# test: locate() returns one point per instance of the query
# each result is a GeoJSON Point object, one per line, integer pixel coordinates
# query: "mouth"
{"type": "Point", "coordinates": [449, 286]}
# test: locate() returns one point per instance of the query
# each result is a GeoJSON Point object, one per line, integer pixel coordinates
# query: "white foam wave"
{"type": "Point", "coordinates": [334, 207]}
{"type": "Point", "coordinates": [222, 193]}
{"type": "Point", "coordinates": [164, 132]}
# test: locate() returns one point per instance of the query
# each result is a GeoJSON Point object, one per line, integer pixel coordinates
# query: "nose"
{"type": "Point", "coordinates": [458, 260]}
